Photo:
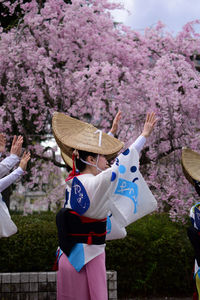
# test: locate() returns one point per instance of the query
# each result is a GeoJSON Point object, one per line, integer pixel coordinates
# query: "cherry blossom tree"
{"type": "Point", "coordinates": [73, 57]}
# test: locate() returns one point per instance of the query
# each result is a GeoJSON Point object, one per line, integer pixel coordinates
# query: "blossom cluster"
{"type": "Point", "coordinates": [75, 59]}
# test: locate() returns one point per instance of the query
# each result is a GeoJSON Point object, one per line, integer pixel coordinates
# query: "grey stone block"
{"type": "Point", "coordinates": [52, 296]}
{"type": "Point", "coordinates": [42, 277]}
{"type": "Point", "coordinates": [43, 287]}
{"type": "Point", "coordinates": [111, 275]}
{"type": "Point", "coordinates": [51, 286]}
{"type": "Point", "coordinates": [112, 284]}
{"type": "Point", "coordinates": [13, 296]}
{"type": "Point", "coordinates": [43, 296]}
{"type": "Point", "coordinates": [6, 288]}
{"type": "Point", "coordinates": [24, 277]}
{"type": "Point", "coordinates": [4, 296]}
{"type": "Point", "coordinates": [33, 276]}
{"type": "Point", "coordinates": [25, 287]}
{"type": "Point", "coordinates": [33, 296]}
{"type": "Point", "coordinates": [112, 295]}
{"type": "Point", "coordinates": [51, 276]}
{"type": "Point", "coordinates": [15, 277]}
{"type": "Point", "coordinates": [24, 296]}
{"type": "Point", "coordinates": [33, 287]}
{"type": "Point", "coordinates": [6, 277]}
{"type": "Point", "coordinates": [15, 287]}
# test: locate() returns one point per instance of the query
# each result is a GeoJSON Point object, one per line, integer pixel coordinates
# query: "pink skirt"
{"type": "Point", "coordinates": [88, 284]}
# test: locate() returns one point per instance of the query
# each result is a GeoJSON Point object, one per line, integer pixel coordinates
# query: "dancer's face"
{"type": "Point", "coordinates": [102, 163]}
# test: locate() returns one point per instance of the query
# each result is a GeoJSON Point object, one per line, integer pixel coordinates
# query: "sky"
{"type": "Point", "coordinates": [146, 13]}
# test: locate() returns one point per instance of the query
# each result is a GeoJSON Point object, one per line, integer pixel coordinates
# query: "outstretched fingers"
{"type": "Point", "coordinates": [24, 160]}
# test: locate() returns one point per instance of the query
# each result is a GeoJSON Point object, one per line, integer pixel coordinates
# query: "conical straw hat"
{"type": "Point", "coordinates": [67, 159]}
{"type": "Point", "coordinates": [71, 134]}
{"type": "Point", "coordinates": [191, 164]}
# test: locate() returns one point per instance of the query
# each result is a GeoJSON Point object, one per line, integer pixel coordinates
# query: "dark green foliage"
{"type": "Point", "coordinates": [155, 259]}
{"type": "Point", "coordinates": [33, 247]}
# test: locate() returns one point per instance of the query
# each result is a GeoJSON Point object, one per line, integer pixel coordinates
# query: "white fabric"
{"type": "Point", "coordinates": [7, 164]}
{"type": "Point", "coordinates": [9, 179]}
{"type": "Point", "coordinates": [7, 226]}
{"type": "Point", "coordinates": [132, 197]}
{"type": "Point", "coordinates": [110, 133]}
{"type": "Point", "coordinates": [104, 199]}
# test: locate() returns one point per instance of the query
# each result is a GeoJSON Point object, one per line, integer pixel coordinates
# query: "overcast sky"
{"type": "Point", "coordinates": [145, 13]}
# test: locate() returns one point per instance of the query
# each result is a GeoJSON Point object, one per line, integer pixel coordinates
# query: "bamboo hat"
{"type": "Point", "coordinates": [190, 161]}
{"type": "Point", "coordinates": [67, 159]}
{"type": "Point", "coordinates": [71, 134]}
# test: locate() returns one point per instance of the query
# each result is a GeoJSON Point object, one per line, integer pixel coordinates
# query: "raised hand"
{"type": "Point", "coordinates": [2, 142]}
{"type": "Point", "coordinates": [24, 160]}
{"type": "Point", "coordinates": [16, 147]}
{"type": "Point", "coordinates": [149, 124]}
{"type": "Point", "coordinates": [116, 122]}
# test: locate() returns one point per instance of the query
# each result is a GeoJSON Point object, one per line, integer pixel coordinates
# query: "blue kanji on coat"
{"type": "Point", "coordinates": [128, 189]}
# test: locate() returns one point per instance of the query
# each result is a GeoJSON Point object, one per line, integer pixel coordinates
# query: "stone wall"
{"type": "Point", "coordinates": [40, 286]}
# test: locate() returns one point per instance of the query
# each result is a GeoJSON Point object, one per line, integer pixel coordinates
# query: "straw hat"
{"type": "Point", "coordinates": [67, 159]}
{"type": "Point", "coordinates": [190, 161]}
{"type": "Point", "coordinates": [71, 134]}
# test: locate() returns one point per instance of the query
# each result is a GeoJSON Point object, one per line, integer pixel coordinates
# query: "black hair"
{"type": "Point", "coordinates": [83, 155]}
{"type": "Point", "coordinates": [197, 186]}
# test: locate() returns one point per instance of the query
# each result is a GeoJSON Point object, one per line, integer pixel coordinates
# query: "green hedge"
{"type": "Point", "coordinates": [33, 247]}
{"type": "Point", "coordinates": [156, 257]}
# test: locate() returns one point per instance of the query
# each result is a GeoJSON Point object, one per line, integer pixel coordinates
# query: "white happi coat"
{"type": "Point", "coordinates": [119, 194]}
{"type": "Point", "coordinates": [7, 226]}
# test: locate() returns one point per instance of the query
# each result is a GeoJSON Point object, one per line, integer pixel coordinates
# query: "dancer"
{"type": "Point", "coordinates": [190, 161]}
{"type": "Point", "coordinates": [7, 226]}
{"type": "Point", "coordinates": [95, 193]}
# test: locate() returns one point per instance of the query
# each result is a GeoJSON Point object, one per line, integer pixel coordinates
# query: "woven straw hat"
{"type": "Point", "coordinates": [67, 159]}
{"type": "Point", "coordinates": [190, 161]}
{"type": "Point", "coordinates": [71, 134]}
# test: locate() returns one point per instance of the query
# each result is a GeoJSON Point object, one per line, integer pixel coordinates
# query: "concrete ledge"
{"type": "Point", "coordinates": [41, 285]}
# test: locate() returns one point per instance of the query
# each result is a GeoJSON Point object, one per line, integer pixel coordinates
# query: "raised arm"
{"type": "Point", "coordinates": [2, 143]}
{"type": "Point", "coordinates": [9, 162]}
{"type": "Point", "coordinates": [115, 123]}
{"type": "Point", "coordinates": [147, 130]}
{"type": "Point", "coordinates": [12, 177]}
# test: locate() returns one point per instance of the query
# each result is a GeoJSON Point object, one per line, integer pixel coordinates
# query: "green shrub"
{"type": "Point", "coordinates": [33, 247]}
{"type": "Point", "coordinates": [155, 259]}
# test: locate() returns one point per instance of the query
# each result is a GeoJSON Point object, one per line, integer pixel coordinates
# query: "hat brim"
{"type": "Point", "coordinates": [190, 161]}
{"type": "Point", "coordinates": [71, 134]}
{"type": "Point", "coordinates": [68, 161]}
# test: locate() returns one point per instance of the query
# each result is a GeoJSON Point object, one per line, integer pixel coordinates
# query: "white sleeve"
{"type": "Point", "coordinates": [110, 133]}
{"type": "Point", "coordinates": [99, 187]}
{"type": "Point", "coordinates": [9, 179]}
{"type": "Point", "coordinates": [100, 184]}
{"type": "Point", "coordinates": [7, 227]}
{"type": "Point", "coordinates": [139, 143]}
{"type": "Point", "coordinates": [7, 164]}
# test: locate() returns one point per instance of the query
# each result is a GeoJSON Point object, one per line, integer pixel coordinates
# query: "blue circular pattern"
{"type": "Point", "coordinates": [122, 169]}
{"type": "Point", "coordinates": [126, 152]}
{"type": "Point", "coordinates": [133, 169]}
{"type": "Point", "coordinates": [113, 176]}
{"type": "Point", "coordinates": [117, 161]}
